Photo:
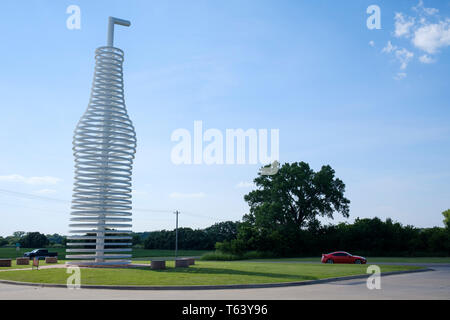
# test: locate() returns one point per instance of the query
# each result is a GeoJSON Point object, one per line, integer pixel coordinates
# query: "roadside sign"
{"type": "Point", "coordinates": [35, 263]}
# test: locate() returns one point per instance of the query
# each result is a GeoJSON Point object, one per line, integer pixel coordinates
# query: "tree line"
{"type": "Point", "coordinates": [188, 239]}
{"type": "Point", "coordinates": [367, 237]}
{"type": "Point", "coordinates": [370, 237]}
{"type": "Point", "coordinates": [33, 240]}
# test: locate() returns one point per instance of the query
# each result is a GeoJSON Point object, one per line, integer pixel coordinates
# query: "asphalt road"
{"type": "Point", "coordinates": [423, 285]}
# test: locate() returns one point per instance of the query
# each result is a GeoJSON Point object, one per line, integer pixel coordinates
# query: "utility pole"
{"type": "Point", "coordinates": [176, 235]}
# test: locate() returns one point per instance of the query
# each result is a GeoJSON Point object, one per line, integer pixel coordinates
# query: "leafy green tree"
{"type": "Point", "coordinates": [295, 196]}
{"type": "Point", "coordinates": [221, 231]}
{"type": "Point", "coordinates": [136, 239]}
{"type": "Point", "coordinates": [56, 239]}
{"type": "Point", "coordinates": [15, 237]}
{"type": "Point", "coordinates": [19, 234]}
{"type": "Point", "coordinates": [287, 203]}
{"type": "Point", "coordinates": [446, 215]}
{"type": "Point", "coordinates": [435, 241]}
{"type": "Point", "coordinates": [3, 241]}
{"type": "Point", "coordinates": [33, 240]}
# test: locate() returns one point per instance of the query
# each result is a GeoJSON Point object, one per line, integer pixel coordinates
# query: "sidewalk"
{"type": "Point", "coordinates": [41, 267]}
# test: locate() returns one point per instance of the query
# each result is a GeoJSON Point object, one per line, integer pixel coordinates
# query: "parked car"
{"type": "Point", "coordinates": [342, 257]}
{"type": "Point", "coordinates": [40, 254]}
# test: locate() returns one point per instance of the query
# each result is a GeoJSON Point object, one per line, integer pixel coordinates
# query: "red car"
{"type": "Point", "coordinates": [342, 257]}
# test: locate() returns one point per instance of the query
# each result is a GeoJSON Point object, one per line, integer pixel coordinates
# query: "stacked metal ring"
{"type": "Point", "coordinates": [104, 145]}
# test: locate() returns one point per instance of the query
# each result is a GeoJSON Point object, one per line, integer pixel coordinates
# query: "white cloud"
{"type": "Point", "coordinates": [426, 36]}
{"type": "Point", "coordinates": [400, 76]}
{"type": "Point", "coordinates": [427, 32]}
{"type": "Point", "coordinates": [431, 37]}
{"type": "Point", "coordinates": [179, 195]}
{"type": "Point", "coordinates": [426, 59]}
{"type": "Point", "coordinates": [30, 180]}
{"type": "Point", "coordinates": [430, 11]}
{"type": "Point", "coordinates": [420, 8]}
{"type": "Point", "coordinates": [371, 43]}
{"type": "Point", "coordinates": [244, 184]}
{"type": "Point", "coordinates": [404, 57]}
{"type": "Point", "coordinates": [403, 25]}
{"type": "Point", "coordinates": [389, 48]}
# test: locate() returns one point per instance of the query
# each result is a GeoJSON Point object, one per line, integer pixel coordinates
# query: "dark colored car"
{"type": "Point", "coordinates": [342, 257]}
{"type": "Point", "coordinates": [40, 254]}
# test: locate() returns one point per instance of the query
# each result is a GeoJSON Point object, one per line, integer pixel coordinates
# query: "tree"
{"type": "Point", "coordinates": [12, 240]}
{"type": "Point", "coordinates": [288, 204]}
{"type": "Point", "coordinates": [33, 240]}
{"type": "Point", "coordinates": [222, 231]}
{"type": "Point", "coordinates": [56, 239]}
{"type": "Point", "coordinates": [136, 239]}
{"type": "Point", "coordinates": [3, 241]}
{"type": "Point", "coordinates": [295, 196]}
{"type": "Point", "coordinates": [446, 215]}
{"type": "Point", "coordinates": [18, 234]}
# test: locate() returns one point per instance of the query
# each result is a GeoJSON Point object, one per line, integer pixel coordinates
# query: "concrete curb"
{"type": "Point", "coordinates": [215, 287]}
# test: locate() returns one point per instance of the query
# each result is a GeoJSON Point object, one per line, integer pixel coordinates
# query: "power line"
{"type": "Point", "coordinates": [38, 197]}
{"type": "Point", "coordinates": [30, 196]}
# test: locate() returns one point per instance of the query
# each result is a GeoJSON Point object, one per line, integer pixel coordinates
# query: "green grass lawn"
{"type": "Point", "coordinates": [203, 273]}
{"type": "Point", "coordinates": [137, 253]}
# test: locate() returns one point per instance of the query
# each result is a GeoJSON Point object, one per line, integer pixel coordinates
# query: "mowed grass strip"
{"type": "Point", "coordinates": [202, 273]}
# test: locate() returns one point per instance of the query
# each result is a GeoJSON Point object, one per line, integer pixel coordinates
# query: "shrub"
{"type": "Point", "coordinates": [217, 255]}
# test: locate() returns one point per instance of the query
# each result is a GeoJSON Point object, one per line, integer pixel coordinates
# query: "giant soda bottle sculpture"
{"type": "Point", "coordinates": [104, 145]}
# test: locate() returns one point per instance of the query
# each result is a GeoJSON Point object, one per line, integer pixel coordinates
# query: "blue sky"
{"type": "Point", "coordinates": [373, 104]}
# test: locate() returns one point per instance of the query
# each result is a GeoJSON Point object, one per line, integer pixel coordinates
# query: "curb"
{"type": "Point", "coordinates": [215, 287]}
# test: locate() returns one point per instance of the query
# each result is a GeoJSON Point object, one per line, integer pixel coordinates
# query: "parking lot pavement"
{"type": "Point", "coordinates": [422, 285]}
